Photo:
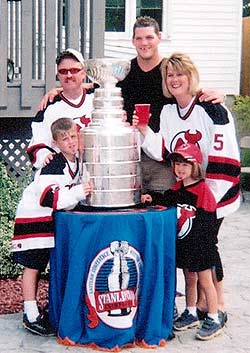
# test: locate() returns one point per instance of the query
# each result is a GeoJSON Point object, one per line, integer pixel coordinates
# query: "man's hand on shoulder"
{"type": "Point", "coordinates": [212, 96]}
{"type": "Point", "coordinates": [48, 97]}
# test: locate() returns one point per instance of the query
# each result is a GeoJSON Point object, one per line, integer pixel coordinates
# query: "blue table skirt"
{"type": "Point", "coordinates": [112, 277]}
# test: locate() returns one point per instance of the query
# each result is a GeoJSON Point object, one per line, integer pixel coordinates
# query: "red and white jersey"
{"type": "Point", "coordinates": [41, 143]}
{"type": "Point", "coordinates": [211, 127]}
{"type": "Point", "coordinates": [54, 188]}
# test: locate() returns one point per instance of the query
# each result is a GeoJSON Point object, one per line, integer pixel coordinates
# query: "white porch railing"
{"type": "Point", "coordinates": [32, 32]}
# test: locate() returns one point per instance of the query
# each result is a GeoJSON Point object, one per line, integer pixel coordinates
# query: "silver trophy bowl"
{"type": "Point", "coordinates": [110, 146]}
{"type": "Point", "coordinates": [107, 72]}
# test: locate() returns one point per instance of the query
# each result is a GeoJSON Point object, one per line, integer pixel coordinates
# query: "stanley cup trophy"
{"type": "Point", "coordinates": [118, 279]}
{"type": "Point", "coordinates": [110, 146]}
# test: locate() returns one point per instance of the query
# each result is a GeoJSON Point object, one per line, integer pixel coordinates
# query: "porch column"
{"type": "Point", "coordinates": [97, 28]}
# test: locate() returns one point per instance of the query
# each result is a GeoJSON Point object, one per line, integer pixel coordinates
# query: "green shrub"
{"type": "Point", "coordinates": [245, 178]}
{"type": "Point", "coordinates": [8, 269]}
{"type": "Point", "coordinates": [241, 110]}
{"type": "Point", "coordinates": [11, 192]}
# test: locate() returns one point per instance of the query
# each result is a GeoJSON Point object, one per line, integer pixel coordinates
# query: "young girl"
{"type": "Point", "coordinates": [196, 249]}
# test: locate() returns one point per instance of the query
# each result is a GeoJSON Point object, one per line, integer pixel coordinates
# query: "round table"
{"type": "Point", "coordinates": [112, 277]}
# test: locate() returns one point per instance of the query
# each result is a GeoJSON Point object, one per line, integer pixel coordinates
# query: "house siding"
{"type": "Point", "coordinates": [212, 39]}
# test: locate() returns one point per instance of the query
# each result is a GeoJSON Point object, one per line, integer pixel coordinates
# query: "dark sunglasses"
{"type": "Point", "coordinates": [73, 70]}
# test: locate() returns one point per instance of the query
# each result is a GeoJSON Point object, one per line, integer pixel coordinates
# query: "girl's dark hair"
{"type": "Point", "coordinates": [197, 169]}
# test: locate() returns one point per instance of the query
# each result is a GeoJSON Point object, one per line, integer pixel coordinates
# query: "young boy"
{"type": "Point", "coordinates": [54, 187]}
{"type": "Point", "coordinates": [196, 246]}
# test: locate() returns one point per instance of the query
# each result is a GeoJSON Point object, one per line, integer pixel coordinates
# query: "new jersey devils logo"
{"type": "Point", "coordinates": [186, 137]}
{"type": "Point", "coordinates": [185, 214]}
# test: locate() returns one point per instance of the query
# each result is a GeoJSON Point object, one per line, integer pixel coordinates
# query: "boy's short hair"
{"type": "Point", "coordinates": [61, 125]}
{"type": "Point", "coordinates": [146, 21]}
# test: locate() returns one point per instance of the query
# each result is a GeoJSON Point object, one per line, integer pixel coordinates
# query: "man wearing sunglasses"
{"type": "Point", "coordinates": [72, 102]}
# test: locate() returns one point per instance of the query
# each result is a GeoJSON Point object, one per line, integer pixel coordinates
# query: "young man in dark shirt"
{"type": "Point", "coordinates": [143, 84]}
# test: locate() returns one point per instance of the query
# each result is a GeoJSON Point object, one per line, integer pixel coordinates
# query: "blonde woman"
{"type": "Point", "coordinates": [206, 125]}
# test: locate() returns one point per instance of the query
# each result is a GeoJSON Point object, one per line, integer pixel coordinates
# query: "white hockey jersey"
{"type": "Point", "coordinates": [211, 127]}
{"type": "Point", "coordinates": [54, 188]}
{"type": "Point", "coordinates": [41, 142]}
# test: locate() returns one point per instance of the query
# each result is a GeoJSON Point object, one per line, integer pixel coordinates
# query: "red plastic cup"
{"type": "Point", "coordinates": [143, 113]}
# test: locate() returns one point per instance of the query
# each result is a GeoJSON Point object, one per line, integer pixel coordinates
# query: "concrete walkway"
{"type": "Point", "coordinates": [235, 251]}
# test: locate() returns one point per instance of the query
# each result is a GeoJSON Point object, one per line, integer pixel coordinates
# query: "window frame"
{"type": "Point", "coordinates": [130, 18]}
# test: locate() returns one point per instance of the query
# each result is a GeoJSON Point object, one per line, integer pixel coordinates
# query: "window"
{"type": "Point", "coordinates": [115, 16]}
{"type": "Point", "coordinates": [152, 8]}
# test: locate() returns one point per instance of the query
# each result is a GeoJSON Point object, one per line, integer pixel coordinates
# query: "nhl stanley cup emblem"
{"type": "Point", "coordinates": [113, 284]}
{"type": "Point", "coordinates": [118, 279]}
